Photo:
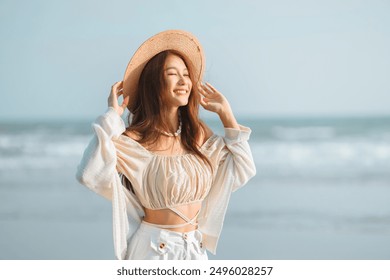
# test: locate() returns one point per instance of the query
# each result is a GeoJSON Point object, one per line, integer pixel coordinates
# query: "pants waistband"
{"type": "Point", "coordinates": [194, 235]}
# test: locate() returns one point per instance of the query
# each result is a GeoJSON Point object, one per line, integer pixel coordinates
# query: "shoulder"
{"type": "Point", "coordinates": [130, 144]}
{"type": "Point", "coordinates": [132, 134]}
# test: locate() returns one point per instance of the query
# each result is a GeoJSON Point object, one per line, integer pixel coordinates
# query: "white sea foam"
{"type": "Point", "coordinates": [302, 133]}
{"type": "Point", "coordinates": [40, 151]}
{"type": "Point", "coordinates": [322, 158]}
{"type": "Point", "coordinates": [300, 150]}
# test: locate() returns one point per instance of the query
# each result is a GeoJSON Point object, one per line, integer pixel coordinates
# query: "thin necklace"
{"type": "Point", "coordinates": [177, 133]}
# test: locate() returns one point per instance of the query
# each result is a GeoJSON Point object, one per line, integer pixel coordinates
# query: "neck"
{"type": "Point", "coordinates": [172, 119]}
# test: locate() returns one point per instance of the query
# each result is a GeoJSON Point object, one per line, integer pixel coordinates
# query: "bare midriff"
{"type": "Point", "coordinates": [168, 217]}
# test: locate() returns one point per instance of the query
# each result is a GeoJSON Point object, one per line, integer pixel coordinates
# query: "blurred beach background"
{"type": "Point", "coordinates": [310, 78]}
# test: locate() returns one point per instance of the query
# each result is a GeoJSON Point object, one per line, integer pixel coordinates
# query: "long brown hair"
{"type": "Point", "coordinates": [148, 107]}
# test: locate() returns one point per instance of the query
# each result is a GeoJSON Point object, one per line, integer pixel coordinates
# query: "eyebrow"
{"type": "Point", "coordinates": [172, 67]}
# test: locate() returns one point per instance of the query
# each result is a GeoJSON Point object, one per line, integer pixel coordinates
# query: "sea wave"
{"type": "Point", "coordinates": [322, 158]}
{"type": "Point", "coordinates": [303, 133]}
{"type": "Point", "coordinates": [305, 149]}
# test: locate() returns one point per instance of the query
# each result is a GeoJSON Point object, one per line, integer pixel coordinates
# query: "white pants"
{"type": "Point", "coordinates": [153, 243]}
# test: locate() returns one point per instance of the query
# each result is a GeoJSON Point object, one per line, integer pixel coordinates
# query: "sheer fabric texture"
{"type": "Point", "coordinates": [163, 181]}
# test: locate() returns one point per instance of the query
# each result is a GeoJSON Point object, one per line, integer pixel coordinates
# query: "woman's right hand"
{"type": "Point", "coordinates": [116, 91]}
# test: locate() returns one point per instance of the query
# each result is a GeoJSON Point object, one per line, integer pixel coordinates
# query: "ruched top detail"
{"type": "Point", "coordinates": [163, 181]}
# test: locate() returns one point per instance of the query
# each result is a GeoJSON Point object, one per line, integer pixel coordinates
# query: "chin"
{"type": "Point", "coordinates": [183, 102]}
{"type": "Point", "coordinates": [178, 101]}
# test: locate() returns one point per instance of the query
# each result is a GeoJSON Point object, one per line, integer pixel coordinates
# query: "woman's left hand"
{"type": "Point", "coordinates": [212, 100]}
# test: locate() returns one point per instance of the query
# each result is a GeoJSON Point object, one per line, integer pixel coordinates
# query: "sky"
{"type": "Point", "coordinates": [281, 58]}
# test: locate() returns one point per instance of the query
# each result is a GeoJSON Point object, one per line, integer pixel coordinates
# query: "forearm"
{"type": "Point", "coordinates": [228, 119]}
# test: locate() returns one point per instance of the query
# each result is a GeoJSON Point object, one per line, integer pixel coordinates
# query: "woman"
{"type": "Point", "coordinates": [169, 177]}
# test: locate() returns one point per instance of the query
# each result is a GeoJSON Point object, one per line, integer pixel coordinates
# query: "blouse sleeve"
{"type": "Point", "coordinates": [98, 171]}
{"type": "Point", "coordinates": [231, 156]}
{"type": "Point", "coordinates": [98, 164]}
{"type": "Point", "coordinates": [233, 165]}
{"type": "Point", "coordinates": [243, 165]}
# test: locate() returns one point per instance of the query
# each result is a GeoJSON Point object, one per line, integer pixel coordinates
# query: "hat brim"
{"type": "Point", "coordinates": [180, 41]}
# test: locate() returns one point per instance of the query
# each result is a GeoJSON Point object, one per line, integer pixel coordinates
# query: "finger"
{"type": "Point", "coordinates": [201, 91]}
{"type": "Point", "coordinates": [117, 88]}
{"type": "Point", "coordinates": [204, 90]}
{"type": "Point", "coordinates": [125, 102]}
{"type": "Point", "coordinates": [207, 89]}
{"type": "Point", "coordinates": [214, 90]}
{"type": "Point", "coordinates": [115, 85]}
{"type": "Point", "coordinates": [119, 85]}
{"type": "Point", "coordinates": [202, 102]}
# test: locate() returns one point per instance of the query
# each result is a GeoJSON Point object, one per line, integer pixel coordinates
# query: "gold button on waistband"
{"type": "Point", "coordinates": [162, 245]}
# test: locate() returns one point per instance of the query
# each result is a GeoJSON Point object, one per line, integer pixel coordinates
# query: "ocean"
{"type": "Point", "coordinates": [322, 191]}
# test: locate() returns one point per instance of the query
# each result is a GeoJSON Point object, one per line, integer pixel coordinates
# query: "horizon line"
{"type": "Point", "coordinates": [209, 117]}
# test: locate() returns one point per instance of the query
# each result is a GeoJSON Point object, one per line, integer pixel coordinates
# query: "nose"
{"type": "Point", "coordinates": [181, 80]}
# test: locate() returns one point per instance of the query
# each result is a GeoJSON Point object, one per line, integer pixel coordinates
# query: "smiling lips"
{"type": "Point", "coordinates": [181, 91]}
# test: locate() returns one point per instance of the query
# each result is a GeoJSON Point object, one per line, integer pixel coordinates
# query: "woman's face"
{"type": "Point", "coordinates": [177, 81]}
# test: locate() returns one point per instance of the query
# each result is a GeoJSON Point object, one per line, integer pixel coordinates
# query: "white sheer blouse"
{"type": "Point", "coordinates": [161, 181]}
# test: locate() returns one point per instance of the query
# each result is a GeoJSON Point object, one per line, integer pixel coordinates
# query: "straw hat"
{"type": "Point", "coordinates": [180, 41]}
